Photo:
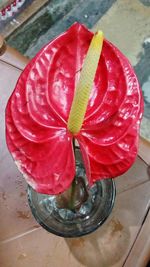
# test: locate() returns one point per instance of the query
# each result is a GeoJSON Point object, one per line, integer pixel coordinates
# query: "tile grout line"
{"type": "Point", "coordinates": [7, 63]}
{"type": "Point", "coordinates": [134, 186]}
{"type": "Point", "coordinates": [148, 209]}
{"type": "Point", "coordinates": [18, 236]}
{"type": "Point", "coordinates": [143, 160]}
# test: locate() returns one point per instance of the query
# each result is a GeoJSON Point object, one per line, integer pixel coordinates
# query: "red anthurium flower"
{"type": "Point", "coordinates": [38, 110]}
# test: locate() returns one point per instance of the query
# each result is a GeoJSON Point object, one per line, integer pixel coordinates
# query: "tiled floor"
{"type": "Point", "coordinates": [108, 246]}
{"type": "Point", "coordinates": [143, 257]}
{"type": "Point", "coordinates": [22, 242]}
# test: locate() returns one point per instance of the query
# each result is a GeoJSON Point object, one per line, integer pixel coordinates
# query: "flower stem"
{"type": "Point", "coordinates": [72, 197]}
{"type": "Point", "coordinates": [73, 185]}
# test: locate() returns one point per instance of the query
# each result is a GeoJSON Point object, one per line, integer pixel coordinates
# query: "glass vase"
{"type": "Point", "coordinates": [78, 211]}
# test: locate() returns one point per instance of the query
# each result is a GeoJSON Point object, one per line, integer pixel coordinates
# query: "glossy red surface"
{"type": "Point", "coordinates": [38, 111]}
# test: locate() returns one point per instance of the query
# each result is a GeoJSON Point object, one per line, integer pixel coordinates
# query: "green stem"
{"type": "Point", "coordinates": [73, 185]}
{"type": "Point", "coordinates": [72, 200]}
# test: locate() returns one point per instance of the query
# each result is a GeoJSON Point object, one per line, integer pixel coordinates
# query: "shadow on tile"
{"type": "Point", "coordinates": [105, 247]}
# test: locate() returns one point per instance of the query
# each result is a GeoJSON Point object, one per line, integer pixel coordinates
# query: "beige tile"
{"type": "Point", "coordinates": [14, 58]}
{"type": "Point", "coordinates": [8, 79]}
{"type": "Point", "coordinates": [38, 249]}
{"type": "Point", "coordinates": [16, 217]}
{"type": "Point", "coordinates": [144, 150]}
{"type": "Point", "coordinates": [126, 24]}
{"type": "Point", "coordinates": [136, 175]}
{"type": "Point", "coordinates": [145, 129]}
{"type": "Point", "coordinates": [140, 254]}
{"type": "Point", "coordinates": [15, 214]}
{"type": "Point", "coordinates": [108, 246]}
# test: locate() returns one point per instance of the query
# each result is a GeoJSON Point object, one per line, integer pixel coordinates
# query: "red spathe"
{"type": "Point", "coordinates": [38, 110]}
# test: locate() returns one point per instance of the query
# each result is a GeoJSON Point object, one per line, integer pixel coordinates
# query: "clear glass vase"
{"type": "Point", "coordinates": [78, 211]}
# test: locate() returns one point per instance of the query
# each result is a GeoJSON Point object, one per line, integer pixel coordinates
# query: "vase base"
{"type": "Point", "coordinates": [67, 222]}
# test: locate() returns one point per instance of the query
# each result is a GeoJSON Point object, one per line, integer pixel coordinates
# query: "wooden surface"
{"type": "Point", "coordinates": [24, 243]}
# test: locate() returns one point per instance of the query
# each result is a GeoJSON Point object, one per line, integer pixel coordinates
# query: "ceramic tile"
{"type": "Point", "coordinates": [136, 175]}
{"type": "Point", "coordinates": [122, 15]}
{"type": "Point", "coordinates": [14, 59]}
{"type": "Point", "coordinates": [108, 246]}
{"type": "Point", "coordinates": [140, 254]}
{"type": "Point", "coordinates": [15, 214]}
{"type": "Point", "coordinates": [144, 150]}
{"type": "Point", "coordinates": [37, 249]}
{"type": "Point", "coordinates": [16, 217]}
{"type": "Point", "coordinates": [8, 78]}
